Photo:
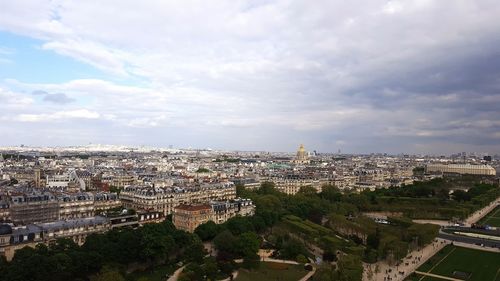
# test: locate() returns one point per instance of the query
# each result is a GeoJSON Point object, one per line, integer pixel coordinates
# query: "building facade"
{"type": "Point", "coordinates": [189, 216]}
{"type": "Point", "coordinates": [485, 170]}
{"type": "Point", "coordinates": [165, 199]}
{"type": "Point", "coordinates": [14, 238]}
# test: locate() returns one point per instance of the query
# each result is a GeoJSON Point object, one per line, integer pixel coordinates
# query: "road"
{"type": "Point", "coordinates": [469, 240]}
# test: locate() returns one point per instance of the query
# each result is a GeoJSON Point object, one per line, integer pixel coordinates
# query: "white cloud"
{"type": "Point", "coordinates": [12, 99]}
{"type": "Point", "coordinates": [332, 68]}
{"type": "Point", "coordinates": [60, 115]}
{"type": "Point", "coordinates": [91, 53]}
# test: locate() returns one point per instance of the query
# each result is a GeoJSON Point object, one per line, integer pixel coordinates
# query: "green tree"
{"type": "Point", "coordinates": [203, 170]}
{"type": "Point", "coordinates": [308, 190]}
{"type": "Point", "coordinates": [301, 259]}
{"type": "Point", "coordinates": [206, 231]}
{"type": "Point", "coordinates": [461, 196]}
{"type": "Point", "coordinates": [194, 252]}
{"type": "Point", "coordinates": [238, 225]}
{"type": "Point", "coordinates": [267, 188]}
{"type": "Point", "coordinates": [210, 268]}
{"type": "Point", "coordinates": [251, 261]}
{"type": "Point", "coordinates": [247, 244]}
{"type": "Point", "coordinates": [225, 241]}
{"type": "Point", "coordinates": [330, 193]}
{"type": "Point", "coordinates": [350, 268]}
{"type": "Point", "coordinates": [108, 274]}
{"type": "Point", "coordinates": [373, 239]}
{"type": "Point", "coordinates": [155, 243]}
{"type": "Point", "coordinates": [292, 248]}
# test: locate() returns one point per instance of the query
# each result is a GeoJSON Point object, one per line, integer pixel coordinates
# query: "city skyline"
{"type": "Point", "coordinates": [371, 76]}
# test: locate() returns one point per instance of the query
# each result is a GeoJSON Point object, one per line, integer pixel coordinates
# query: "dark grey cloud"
{"type": "Point", "coordinates": [39, 93]}
{"type": "Point", "coordinates": [59, 98]}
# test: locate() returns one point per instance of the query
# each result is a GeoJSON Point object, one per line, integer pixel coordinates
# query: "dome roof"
{"type": "Point", "coordinates": [301, 148]}
{"type": "Point", "coordinates": [5, 229]}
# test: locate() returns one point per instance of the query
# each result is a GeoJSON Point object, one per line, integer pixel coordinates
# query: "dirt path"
{"type": "Point", "coordinates": [479, 214]}
{"type": "Point", "coordinates": [408, 265]}
{"type": "Point", "coordinates": [176, 274]}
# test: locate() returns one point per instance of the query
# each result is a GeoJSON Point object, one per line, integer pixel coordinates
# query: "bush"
{"type": "Point", "coordinates": [301, 259]}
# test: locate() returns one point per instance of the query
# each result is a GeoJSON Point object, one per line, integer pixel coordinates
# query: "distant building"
{"type": "Point", "coordinates": [302, 156]}
{"type": "Point", "coordinates": [14, 238]}
{"type": "Point", "coordinates": [164, 200]}
{"type": "Point", "coordinates": [291, 184]}
{"type": "Point", "coordinates": [468, 169]}
{"type": "Point", "coordinates": [86, 177]}
{"type": "Point", "coordinates": [189, 217]}
{"type": "Point", "coordinates": [26, 208]}
{"type": "Point", "coordinates": [66, 181]}
{"type": "Point", "coordinates": [38, 171]}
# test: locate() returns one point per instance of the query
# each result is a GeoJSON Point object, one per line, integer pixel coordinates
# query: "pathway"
{"type": "Point", "coordinates": [176, 274]}
{"type": "Point", "coordinates": [437, 222]}
{"type": "Point", "coordinates": [234, 274]}
{"type": "Point", "coordinates": [278, 261]}
{"type": "Point", "coordinates": [438, 276]}
{"type": "Point", "coordinates": [479, 214]}
{"type": "Point", "coordinates": [408, 265]}
{"type": "Point", "coordinates": [309, 274]}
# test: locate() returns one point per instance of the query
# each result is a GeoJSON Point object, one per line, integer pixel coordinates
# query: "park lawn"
{"type": "Point", "coordinates": [270, 271]}
{"type": "Point", "coordinates": [482, 265]}
{"type": "Point", "coordinates": [156, 274]}
{"type": "Point", "coordinates": [435, 259]}
{"type": "Point", "coordinates": [492, 219]}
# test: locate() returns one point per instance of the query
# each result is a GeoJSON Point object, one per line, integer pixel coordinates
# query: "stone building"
{"type": "Point", "coordinates": [26, 208]}
{"type": "Point", "coordinates": [189, 217]}
{"type": "Point", "coordinates": [14, 238]}
{"type": "Point", "coordinates": [165, 199]}
{"type": "Point", "coordinates": [485, 170]}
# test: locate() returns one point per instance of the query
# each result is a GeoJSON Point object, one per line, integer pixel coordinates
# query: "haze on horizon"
{"type": "Point", "coordinates": [417, 76]}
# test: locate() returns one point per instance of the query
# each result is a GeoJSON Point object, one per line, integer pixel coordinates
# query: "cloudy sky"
{"type": "Point", "coordinates": [361, 76]}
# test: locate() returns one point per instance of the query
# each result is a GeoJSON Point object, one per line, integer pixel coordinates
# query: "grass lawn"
{"type": "Point", "coordinates": [270, 271]}
{"type": "Point", "coordinates": [478, 265]}
{"type": "Point", "coordinates": [157, 274]}
{"type": "Point", "coordinates": [492, 219]}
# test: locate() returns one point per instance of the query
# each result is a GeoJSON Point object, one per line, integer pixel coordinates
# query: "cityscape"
{"type": "Point", "coordinates": [267, 140]}
{"type": "Point", "coordinates": [49, 195]}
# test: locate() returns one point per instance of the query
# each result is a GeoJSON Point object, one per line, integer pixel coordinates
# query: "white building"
{"type": "Point", "coordinates": [469, 169]}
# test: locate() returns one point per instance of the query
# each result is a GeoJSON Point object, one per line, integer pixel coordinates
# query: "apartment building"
{"type": "Point", "coordinates": [165, 199]}
{"type": "Point", "coordinates": [26, 208]}
{"type": "Point", "coordinates": [189, 216]}
{"type": "Point", "coordinates": [14, 238]}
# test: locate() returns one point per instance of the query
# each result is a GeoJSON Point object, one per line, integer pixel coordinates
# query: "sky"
{"type": "Point", "coordinates": [412, 76]}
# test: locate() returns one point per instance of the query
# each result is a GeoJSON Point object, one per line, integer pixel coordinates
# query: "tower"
{"type": "Point", "coordinates": [37, 174]}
